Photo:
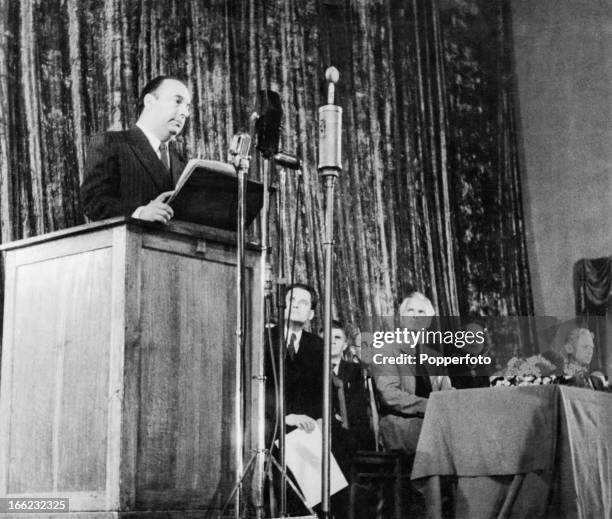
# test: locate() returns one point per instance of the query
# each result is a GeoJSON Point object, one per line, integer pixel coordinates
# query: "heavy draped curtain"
{"type": "Point", "coordinates": [429, 197]}
{"type": "Point", "coordinates": [593, 292]}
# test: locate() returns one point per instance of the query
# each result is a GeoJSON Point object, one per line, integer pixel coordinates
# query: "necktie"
{"type": "Point", "coordinates": [291, 348]}
{"type": "Point", "coordinates": [165, 158]}
{"type": "Point", "coordinates": [422, 383]}
{"type": "Point", "coordinates": [339, 385]}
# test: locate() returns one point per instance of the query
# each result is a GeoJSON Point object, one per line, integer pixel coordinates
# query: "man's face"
{"type": "Point", "coordinates": [415, 316]}
{"type": "Point", "coordinates": [583, 351]}
{"type": "Point", "coordinates": [338, 342]}
{"type": "Point", "coordinates": [167, 108]}
{"type": "Point", "coordinates": [299, 306]}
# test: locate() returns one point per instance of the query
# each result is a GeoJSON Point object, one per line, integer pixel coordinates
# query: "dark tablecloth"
{"type": "Point", "coordinates": [559, 437]}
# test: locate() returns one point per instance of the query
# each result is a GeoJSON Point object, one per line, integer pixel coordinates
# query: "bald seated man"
{"type": "Point", "coordinates": [133, 172]}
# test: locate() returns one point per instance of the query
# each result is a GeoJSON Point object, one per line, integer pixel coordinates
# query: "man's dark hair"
{"type": "Point", "coordinates": [335, 325]}
{"type": "Point", "coordinates": [309, 289]}
{"type": "Point", "coordinates": [338, 325]}
{"type": "Point", "coordinates": [152, 86]}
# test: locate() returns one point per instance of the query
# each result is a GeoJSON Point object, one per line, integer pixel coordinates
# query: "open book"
{"type": "Point", "coordinates": [207, 193]}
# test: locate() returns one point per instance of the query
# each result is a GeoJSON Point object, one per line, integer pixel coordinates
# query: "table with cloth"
{"type": "Point", "coordinates": [549, 446]}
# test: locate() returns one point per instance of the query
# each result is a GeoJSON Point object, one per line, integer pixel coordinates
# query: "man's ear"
{"type": "Point", "coordinates": [569, 349]}
{"type": "Point", "coordinates": [310, 315]}
{"type": "Point", "coordinates": [148, 99]}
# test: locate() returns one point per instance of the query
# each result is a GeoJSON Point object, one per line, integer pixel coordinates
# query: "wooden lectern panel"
{"type": "Point", "coordinates": [58, 418]}
{"type": "Point", "coordinates": [117, 386]}
{"type": "Point", "coordinates": [185, 440]}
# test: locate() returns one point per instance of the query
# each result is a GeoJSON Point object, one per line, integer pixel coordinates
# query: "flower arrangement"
{"type": "Point", "coordinates": [537, 366]}
{"type": "Point", "coordinates": [534, 370]}
{"type": "Point", "coordinates": [547, 368]}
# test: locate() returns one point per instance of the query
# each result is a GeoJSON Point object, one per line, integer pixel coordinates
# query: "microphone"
{"type": "Point", "coordinates": [288, 161]}
{"type": "Point", "coordinates": [240, 145]}
{"type": "Point", "coordinates": [268, 123]}
{"type": "Point", "coordinates": [239, 150]}
{"type": "Point", "coordinates": [330, 128]}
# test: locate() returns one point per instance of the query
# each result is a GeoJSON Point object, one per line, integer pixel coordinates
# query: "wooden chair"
{"type": "Point", "coordinates": [378, 468]}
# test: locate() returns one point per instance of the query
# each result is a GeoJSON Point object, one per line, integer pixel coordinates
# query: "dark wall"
{"type": "Point", "coordinates": [564, 79]}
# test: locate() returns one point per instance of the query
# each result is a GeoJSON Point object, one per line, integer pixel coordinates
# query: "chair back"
{"type": "Point", "coordinates": [374, 415]}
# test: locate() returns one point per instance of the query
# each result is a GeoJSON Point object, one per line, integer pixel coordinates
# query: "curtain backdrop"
{"type": "Point", "coordinates": [593, 293]}
{"type": "Point", "coordinates": [429, 196]}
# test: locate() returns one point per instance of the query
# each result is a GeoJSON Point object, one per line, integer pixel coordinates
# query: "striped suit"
{"type": "Point", "coordinates": [123, 172]}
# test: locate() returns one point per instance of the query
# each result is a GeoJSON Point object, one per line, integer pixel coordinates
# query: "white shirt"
{"type": "Point", "coordinates": [153, 141]}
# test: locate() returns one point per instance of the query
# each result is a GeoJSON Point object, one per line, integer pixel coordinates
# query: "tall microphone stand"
{"type": "Point", "coordinates": [239, 152]}
{"type": "Point", "coordinates": [260, 376]}
{"type": "Point", "coordinates": [282, 161]}
{"type": "Point", "coordinates": [239, 157]}
{"type": "Point", "coordinates": [281, 286]}
{"type": "Point", "coordinates": [330, 163]}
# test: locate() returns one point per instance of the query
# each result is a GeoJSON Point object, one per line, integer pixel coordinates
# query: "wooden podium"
{"type": "Point", "coordinates": [117, 386]}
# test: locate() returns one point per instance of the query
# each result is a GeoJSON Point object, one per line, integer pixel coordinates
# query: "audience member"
{"type": "Point", "coordinates": [404, 393]}
{"type": "Point", "coordinates": [350, 421]}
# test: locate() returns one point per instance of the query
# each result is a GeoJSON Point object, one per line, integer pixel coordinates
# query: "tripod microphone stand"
{"type": "Point", "coordinates": [281, 286]}
{"type": "Point", "coordinates": [267, 128]}
{"type": "Point", "coordinates": [239, 156]}
{"type": "Point", "coordinates": [261, 457]}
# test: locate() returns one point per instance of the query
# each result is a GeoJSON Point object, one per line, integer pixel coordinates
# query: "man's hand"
{"type": "Point", "coordinates": [157, 210]}
{"type": "Point", "coordinates": [301, 421]}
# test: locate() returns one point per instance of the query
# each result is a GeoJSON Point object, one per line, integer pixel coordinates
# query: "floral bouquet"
{"type": "Point", "coordinates": [534, 370]}
{"type": "Point", "coordinates": [548, 368]}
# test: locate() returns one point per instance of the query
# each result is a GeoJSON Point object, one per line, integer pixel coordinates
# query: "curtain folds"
{"type": "Point", "coordinates": [593, 294]}
{"type": "Point", "coordinates": [429, 196]}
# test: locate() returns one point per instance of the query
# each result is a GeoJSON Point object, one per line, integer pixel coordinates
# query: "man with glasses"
{"type": "Point", "coordinates": [133, 172]}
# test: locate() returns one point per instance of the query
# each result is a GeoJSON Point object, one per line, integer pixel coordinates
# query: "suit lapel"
{"type": "Point", "coordinates": [143, 150]}
{"type": "Point", "coordinates": [342, 374]}
{"type": "Point", "coordinates": [176, 165]}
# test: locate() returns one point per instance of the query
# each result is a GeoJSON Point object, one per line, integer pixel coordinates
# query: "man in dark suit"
{"type": "Point", "coordinates": [133, 172]}
{"type": "Point", "coordinates": [303, 373]}
{"type": "Point", "coordinates": [351, 429]}
{"type": "Point", "coordinates": [303, 362]}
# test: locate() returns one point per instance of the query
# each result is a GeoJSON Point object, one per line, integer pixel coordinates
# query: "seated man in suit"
{"type": "Point", "coordinates": [404, 389]}
{"type": "Point", "coordinates": [303, 361]}
{"type": "Point", "coordinates": [133, 172]}
{"type": "Point", "coordinates": [303, 374]}
{"type": "Point", "coordinates": [351, 429]}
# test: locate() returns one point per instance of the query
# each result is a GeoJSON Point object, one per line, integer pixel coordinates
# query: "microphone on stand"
{"type": "Point", "coordinates": [238, 153]}
{"type": "Point", "coordinates": [330, 128]}
{"type": "Point", "coordinates": [330, 163]}
{"type": "Point", "coordinates": [240, 145]}
{"type": "Point", "coordinates": [268, 123]}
